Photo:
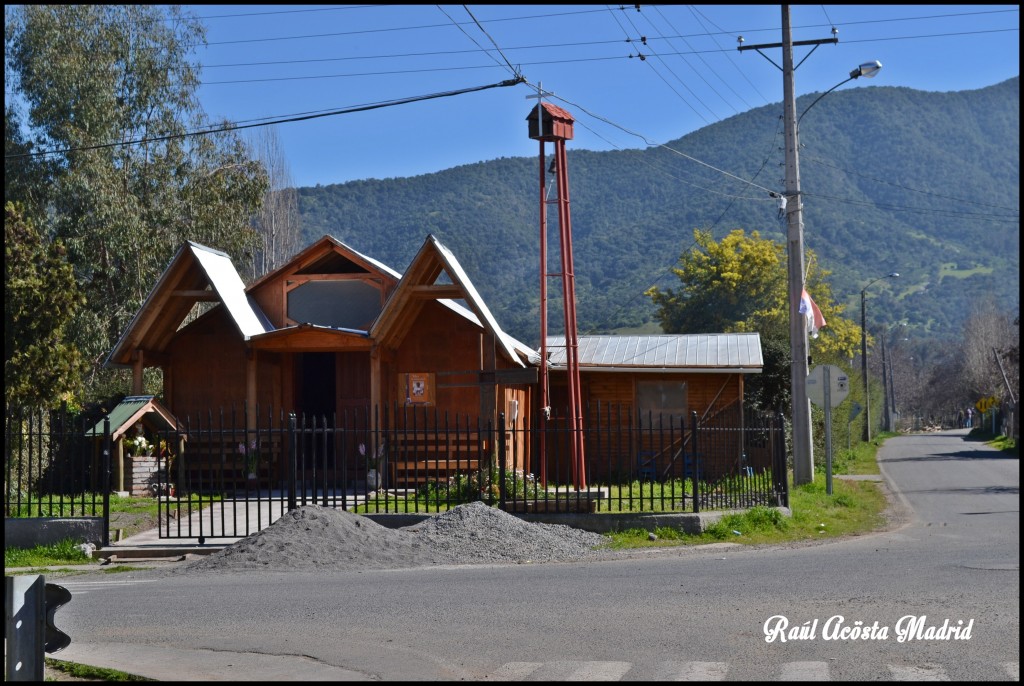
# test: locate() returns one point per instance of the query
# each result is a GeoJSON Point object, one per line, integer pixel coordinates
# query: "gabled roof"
{"type": "Point", "coordinates": [196, 273]}
{"type": "Point", "coordinates": [130, 411]}
{"type": "Point", "coordinates": [315, 251]}
{"type": "Point", "coordinates": [420, 283]}
{"type": "Point", "coordinates": [698, 353]}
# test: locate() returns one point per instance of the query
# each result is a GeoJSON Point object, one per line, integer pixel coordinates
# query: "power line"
{"type": "Point", "coordinates": [396, 28]}
{"type": "Point", "coordinates": [925, 210]}
{"type": "Point", "coordinates": [770, 192]}
{"type": "Point", "coordinates": [513, 70]}
{"type": "Point", "coordinates": [908, 188]}
{"type": "Point", "coordinates": [232, 127]}
{"type": "Point", "coordinates": [732, 33]}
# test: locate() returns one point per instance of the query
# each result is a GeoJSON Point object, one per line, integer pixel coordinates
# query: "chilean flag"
{"type": "Point", "coordinates": [810, 310]}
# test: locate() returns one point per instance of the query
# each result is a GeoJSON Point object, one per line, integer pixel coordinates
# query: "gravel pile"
{"type": "Point", "coordinates": [313, 537]}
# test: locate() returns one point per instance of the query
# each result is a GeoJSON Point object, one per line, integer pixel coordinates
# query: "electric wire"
{"type": "Point", "coordinates": [768, 191]}
{"type": "Point", "coordinates": [944, 196]}
{"type": "Point", "coordinates": [706, 66]}
{"type": "Point", "coordinates": [288, 120]}
{"type": "Point", "coordinates": [926, 210]}
{"type": "Point", "coordinates": [698, 16]}
{"type": "Point", "coordinates": [663, 271]}
{"type": "Point", "coordinates": [512, 70]}
{"type": "Point", "coordinates": [643, 57]}
{"type": "Point", "coordinates": [465, 33]}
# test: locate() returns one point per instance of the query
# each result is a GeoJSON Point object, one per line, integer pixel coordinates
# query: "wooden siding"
{"type": "Point", "coordinates": [208, 349]}
{"type": "Point", "coordinates": [449, 346]}
{"type": "Point", "coordinates": [610, 401]}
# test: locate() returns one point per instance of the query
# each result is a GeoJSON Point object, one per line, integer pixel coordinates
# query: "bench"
{"type": "Point", "coordinates": [571, 501]}
{"type": "Point", "coordinates": [417, 458]}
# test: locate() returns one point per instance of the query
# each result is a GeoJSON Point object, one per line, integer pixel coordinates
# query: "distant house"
{"type": "Point", "coordinates": [335, 335]}
{"type": "Point", "coordinates": [651, 385]}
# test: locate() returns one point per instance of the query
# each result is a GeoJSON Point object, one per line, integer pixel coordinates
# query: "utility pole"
{"type": "Point", "coordinates": [886, 417]}
{"type": "Point", "coordinates": [803, 456]}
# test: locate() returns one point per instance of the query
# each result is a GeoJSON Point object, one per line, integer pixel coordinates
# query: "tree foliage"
{"type": "Point", "coordinates": [41, 367]}
{"type": "Point", "coordinates": [989, 335]}
{"type": "Point", "coordinates": [110, 97]}
{"type": "Point", "coordinates": [740, 283]}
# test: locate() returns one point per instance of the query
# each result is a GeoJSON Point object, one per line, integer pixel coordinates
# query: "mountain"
{"type": "Point", "coordinates": [926, 184]}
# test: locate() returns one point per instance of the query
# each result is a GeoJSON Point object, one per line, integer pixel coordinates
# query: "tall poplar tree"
{"type": "Point", "coordinates": [110, 97]}
{"type": "Point", "coordinates": [279, 224]}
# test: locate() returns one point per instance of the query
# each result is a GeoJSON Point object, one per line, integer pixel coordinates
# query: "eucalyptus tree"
{"type": "Point", "coordinates": [131, 164]}
{"type": "Point", "coordinates": [40, 300]}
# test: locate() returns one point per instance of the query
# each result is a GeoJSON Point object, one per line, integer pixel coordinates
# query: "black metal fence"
{"type": "Point", "coordinates": [51, 467]}
{"type": "Point", "coordinates": [223, 477]}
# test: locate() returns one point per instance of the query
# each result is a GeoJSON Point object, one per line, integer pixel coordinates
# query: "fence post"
{"type": "Point", "coordinates": [293, 451]}
{"type": "Point", "coordinates": [106, 482]}
{"type": "Point", "coordinates": [781, 475]}
{"type": "Point", "coordinates": [501, 460]}
{"type": "Point", "coordinates": [696, 462]}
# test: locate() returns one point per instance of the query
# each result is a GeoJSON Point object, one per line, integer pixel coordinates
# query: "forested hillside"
{"type": "Point", "coordinates": [926, 184]}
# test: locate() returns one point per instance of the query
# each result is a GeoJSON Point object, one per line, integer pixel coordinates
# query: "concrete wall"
{"type": "Point", "coordinates": [598, 523]}
{"type": "Point", "coordinates": [29, 532]}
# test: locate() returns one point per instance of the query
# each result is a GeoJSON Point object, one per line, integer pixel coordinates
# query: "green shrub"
{"type": "Point", "coordinates": [481, 485]}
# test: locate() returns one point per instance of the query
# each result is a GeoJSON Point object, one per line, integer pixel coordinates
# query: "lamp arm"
{"type": "Point", "coordinates": [822, 96]}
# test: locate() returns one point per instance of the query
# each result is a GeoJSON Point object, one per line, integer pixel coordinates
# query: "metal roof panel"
{"type": "Point", "coordinates": [225, 280]}
{"type": "Point", "coordinates": [668, 351]}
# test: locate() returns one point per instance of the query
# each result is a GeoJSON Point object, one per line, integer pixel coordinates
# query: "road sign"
{"type": "Point", "coordinates": [855, 409]}
{"type": "Point", "coordinates": [986, 404]}
{"type": "Point", "coordinates": [838, 383]}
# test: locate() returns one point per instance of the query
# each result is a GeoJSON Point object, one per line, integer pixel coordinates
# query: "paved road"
{"type": "Point", "coordinates": [694, 614]}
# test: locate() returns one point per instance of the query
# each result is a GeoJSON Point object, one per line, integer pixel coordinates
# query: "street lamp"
{"type": "Point", "coordinates": [792, 206]}
{"type": "Point", "coordinates": [868, 70]}
{"type": "Point", "coordinates": [864, 353]}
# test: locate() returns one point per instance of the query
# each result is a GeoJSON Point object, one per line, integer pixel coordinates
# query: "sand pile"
{"type": "Point", "coordinates": [313, 537]}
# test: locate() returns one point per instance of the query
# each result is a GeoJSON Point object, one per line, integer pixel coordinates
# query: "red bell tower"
{"type": "Point", "coordinates": [549, 123]}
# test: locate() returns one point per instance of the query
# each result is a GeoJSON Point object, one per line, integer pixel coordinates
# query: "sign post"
{"type": "Point", "coordinates": [828, 384]}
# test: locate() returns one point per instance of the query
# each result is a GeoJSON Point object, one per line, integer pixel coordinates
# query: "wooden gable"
{"type": "Point", "coordinates": [196, 274]}
{"type": "Point", "coordinates": [327, 284]}
{"type": "Point", "coordinates": [435, 275]}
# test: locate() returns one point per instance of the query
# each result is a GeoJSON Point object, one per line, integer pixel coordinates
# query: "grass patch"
{"type": "Point", "coordinates": [1005, 444]}
{"type": "Point", "coordinates": [89, 673]}
{"type": "Point", "coordinates": [855, 507]}
{"type": "Point", "coordinates": [61, 552]}
{"type": "Point", "coordinates": [860, 459]}
{"type": "Point", "coordinates": [65, 506]}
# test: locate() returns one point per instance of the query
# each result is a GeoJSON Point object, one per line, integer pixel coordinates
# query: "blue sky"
{"type": "Point", "coordinates": [280, 61]}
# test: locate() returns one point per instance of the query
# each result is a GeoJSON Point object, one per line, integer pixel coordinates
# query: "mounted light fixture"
{"type": "Point", "coordinates": [867, 70]}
